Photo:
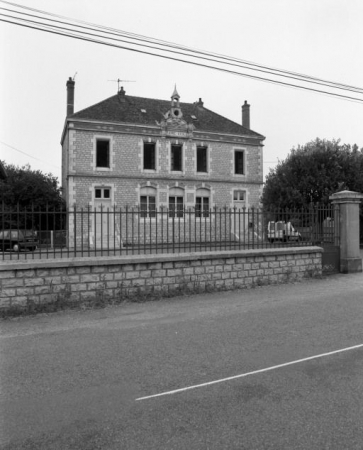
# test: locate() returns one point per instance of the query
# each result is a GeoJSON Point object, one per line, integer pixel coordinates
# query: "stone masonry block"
{"type": "Point", "coordinates": [20, 273]}
{"type": "Point", "coordinates": [25, 291]}
{"type": "Point", "coordinates": [43, 273]}
{"type": "Point", "coordinates": [174, 272]}
{"type": "Point", "coordinates": [217, 276]}
{"type": "Point", "coordinates": [12, 282]}
{"type": "Point", "coordinates": [274, 264]}
{"type": "Point", "coordinates": [216, 262]}
{"type": "Point", "coordinates": [195, 263]}
{"type": "Point", "coordinates": [158, 273]}
{"type": "Point", "coordinates": [7, 293]}
{"type": "Point", "coordinates": [132, 275]}
{"type": "Point", "coordinates": [145, 273]}
{"type": "Point", "coordinates": [154, 266]}
{"type": "Point", "coordinates": [100, 269]}
{"type": "Point", "coordinates": [35, 282]}
{"type": "Point", "coordinates": [86, 278]}
{"type": "Point", "coordinates": [83, 270]}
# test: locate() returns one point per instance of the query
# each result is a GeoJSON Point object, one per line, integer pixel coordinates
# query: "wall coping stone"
{"type": "Point", "coordinates": [154, 258]}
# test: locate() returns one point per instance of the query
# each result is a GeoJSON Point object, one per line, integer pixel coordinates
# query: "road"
{"type": "Point", "coordinates": [234, 370]}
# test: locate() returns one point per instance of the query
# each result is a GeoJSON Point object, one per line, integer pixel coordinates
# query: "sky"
{"type": "Point", "coordinates": [318, 38]}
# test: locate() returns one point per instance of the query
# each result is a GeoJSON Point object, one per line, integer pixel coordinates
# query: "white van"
{"type": "Point", "coordinates": [282, 231]}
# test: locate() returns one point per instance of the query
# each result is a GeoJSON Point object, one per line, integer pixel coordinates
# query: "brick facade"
{"type": "Point", "coordinates": [125, 176]}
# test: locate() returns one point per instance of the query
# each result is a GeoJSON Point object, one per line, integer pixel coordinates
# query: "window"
{"type": "Point", "coordinates": [149, 156]}
{"type": "Point", "coordinates": [176, 202]}
{"type": "Point", "coordinates": [239, 196]}
{"type": "Point", "coordinates": [102, 153]}
{"type": "Point", "coordinates": [202, 203]}
{"type": "Point", "coordinates": [239, 162]}
{"type": "Point", "coordinates": [148, 202]}
{"type": "Point", "coordinates": [176, 158]}
{"type": "Point", "coordinates": [202, 163]}
{"type": "Point", "coordinates": [103, 193]}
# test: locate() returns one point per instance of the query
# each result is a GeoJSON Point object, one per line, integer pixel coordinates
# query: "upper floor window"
{"type": "Point", "coordinates": [149, 156]}
{"type": "Point", "coordinates": [202, 159]}
{"type": "Point", "coordinates": [103, 153]}
{"type": "Point", "coordinates": [239, 156]}
{"type": "Point", "coordinates": [176, 202]}
{"type": "Point", "coordinates": [176, 158]}
{"type": "Point", "coordinates": [148, 202]}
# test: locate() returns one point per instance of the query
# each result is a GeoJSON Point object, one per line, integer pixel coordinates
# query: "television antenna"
{"type": "Point", "coordinates": [118, 81]}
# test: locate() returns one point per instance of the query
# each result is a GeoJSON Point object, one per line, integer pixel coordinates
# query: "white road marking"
{"type": "Point", "coordinates": [222, 380]}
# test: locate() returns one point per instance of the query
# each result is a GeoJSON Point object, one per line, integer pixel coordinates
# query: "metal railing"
{"type": "Point", "coordinates": [128, 231]}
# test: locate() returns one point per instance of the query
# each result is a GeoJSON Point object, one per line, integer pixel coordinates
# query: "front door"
{"type": "Point", "coordinates": [103, 218]}
{"type": "Point", "coordinates": [238, 220]}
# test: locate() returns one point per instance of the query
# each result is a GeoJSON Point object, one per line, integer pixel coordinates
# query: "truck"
{"type": "Point", "coordinates": [282, 231]}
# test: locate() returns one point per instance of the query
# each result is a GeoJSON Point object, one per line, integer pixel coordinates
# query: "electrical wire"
{"type": "Point", "coordinates": [90, 37]}
{"type": "Point", "coordinates": [278, 72]}
{"type": "Point", "coordinates": [27, 154]}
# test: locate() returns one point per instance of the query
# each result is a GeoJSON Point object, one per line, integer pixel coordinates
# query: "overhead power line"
{"type": "Point", "coordinates": [109, 30]}
{"type": "Point", "coordinates": [27, 154]}
{"type": "Point", "coordinates": [132, 42]}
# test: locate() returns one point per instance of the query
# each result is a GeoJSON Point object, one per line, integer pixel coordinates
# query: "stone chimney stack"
{"type": "Point", "coordinates": [246, 115]}
{"type": "Point", "coordinates": [70, 96]}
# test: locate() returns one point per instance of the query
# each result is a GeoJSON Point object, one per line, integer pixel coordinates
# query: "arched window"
{"type": "Point", "coordinates": [202, 203]}
{"type": "Point", "coordinates": [176, 202]}
{"type": "Point", "coordinates": [148, 201]}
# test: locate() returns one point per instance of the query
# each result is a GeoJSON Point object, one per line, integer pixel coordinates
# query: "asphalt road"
{"type": "Point", "coordinates": [78, 380]}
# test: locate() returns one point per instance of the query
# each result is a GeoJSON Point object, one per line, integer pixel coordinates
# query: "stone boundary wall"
{"type": "Point", "coordinates": [78, 279]}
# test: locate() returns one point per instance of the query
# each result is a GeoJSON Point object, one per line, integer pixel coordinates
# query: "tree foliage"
{"type": "Point", "coordinates": [26, 187]}
{"type": "Point", "coordinates": [25, 197]}
{"type": "Point", "coordinates": [312, 172]}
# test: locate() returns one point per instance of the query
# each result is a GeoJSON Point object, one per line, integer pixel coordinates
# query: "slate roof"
{"type": "Point", "coordinates": [127, 109]}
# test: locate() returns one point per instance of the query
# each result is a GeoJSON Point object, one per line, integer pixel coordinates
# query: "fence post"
{"type": "Point", "coordinates": [348, 202]}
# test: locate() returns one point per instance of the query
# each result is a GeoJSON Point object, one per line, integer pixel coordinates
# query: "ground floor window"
{"type": "Point", "coordinates": [148, 202]}
{"type": "Point", "coordinates": [176, 206]}
{"type": "Point", "coordinates": [202, 203]}
{"type": "Point", "coordinates": [202, 207]}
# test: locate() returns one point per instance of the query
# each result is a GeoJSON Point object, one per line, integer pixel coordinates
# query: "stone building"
{"type": "Point", "coordinates": [151, 154]}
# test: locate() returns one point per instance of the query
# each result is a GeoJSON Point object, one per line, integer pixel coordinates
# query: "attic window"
{"type": "Point", "coordinates": [143, 111]}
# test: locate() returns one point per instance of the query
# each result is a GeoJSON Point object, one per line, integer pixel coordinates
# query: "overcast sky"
{"type": "Point", "coordinates": [321, 38]}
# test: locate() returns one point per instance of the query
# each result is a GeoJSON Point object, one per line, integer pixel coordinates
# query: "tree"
{"type": "Point", "coordinates": [311, 173]}
{"type": "Point", "coordinates": [30, 192]}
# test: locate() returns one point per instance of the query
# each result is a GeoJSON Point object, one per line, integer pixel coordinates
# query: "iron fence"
{"type": "Point", "coordinates": [29, 233]}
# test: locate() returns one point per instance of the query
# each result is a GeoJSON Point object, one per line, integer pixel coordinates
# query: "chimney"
{"type": "Point", "coordinates": [70, 96]}
{"type": "Point", "coordinates": [246, 115]}
{"type": "Point", "coordinates": [121, 94]}
{"type": "Point", "coordinates": [200, 103]}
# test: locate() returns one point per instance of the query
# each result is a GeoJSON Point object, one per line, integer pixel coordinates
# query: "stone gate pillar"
{"type": "Point", "coordinates": [348, 202]}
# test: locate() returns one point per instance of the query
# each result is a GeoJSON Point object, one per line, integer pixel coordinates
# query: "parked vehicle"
{"type": "Point", "coordinates": [17, 240]}
{"type": "Point", "coordinates": [282, 231]}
